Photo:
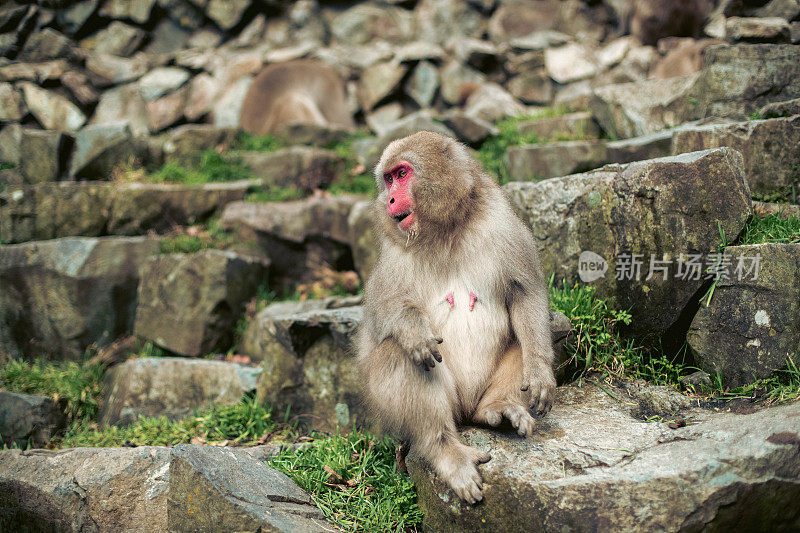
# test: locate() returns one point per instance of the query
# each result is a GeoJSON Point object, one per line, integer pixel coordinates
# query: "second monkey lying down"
{"type": "Point", "coordinates": [456, 323]}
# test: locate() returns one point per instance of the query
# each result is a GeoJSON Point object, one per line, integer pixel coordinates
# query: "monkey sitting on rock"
{"type": "Point", "coordinates": [456, 322]}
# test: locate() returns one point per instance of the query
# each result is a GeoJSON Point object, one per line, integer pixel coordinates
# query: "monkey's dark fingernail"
{"type": "Point", "coordinates": [439, 340]}
{"type": "Point", "coordinates": [524, 387]}
{"type": "Point", "coordinates": [438, 357]}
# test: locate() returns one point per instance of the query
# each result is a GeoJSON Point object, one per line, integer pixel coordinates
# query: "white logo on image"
{"type": "Point", "coordinates": [591, 267]}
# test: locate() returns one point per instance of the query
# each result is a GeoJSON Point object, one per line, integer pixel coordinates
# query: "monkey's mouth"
{"type": "Point", "coordinates": [405, 220]}
{"type": "Point", "coordinates": [401, 217]}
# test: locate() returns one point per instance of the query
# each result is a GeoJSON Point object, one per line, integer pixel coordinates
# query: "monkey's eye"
{"type": "Point", "coordinates": [389, 179]}
{"type": "Point", "coordinates": [401, 174]}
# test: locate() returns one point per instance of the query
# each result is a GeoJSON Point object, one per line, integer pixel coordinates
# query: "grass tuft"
{"type": "Point", "coordinates": [78, 385]}
{"type": "Point", "coordinates": [210, 167]}
{"type": "Point", "coordinates": [257, 143]}
{"type": "Point", "coordinates": [355, 481]}
{"type": "Point", "coordinates": [246, 422]}
{"type": "Point", "coordinates": [7, 165]}
{"type": "Point", "coordinates": [772, 228]}
{"type": "Point", "coordinates": [196, 238]}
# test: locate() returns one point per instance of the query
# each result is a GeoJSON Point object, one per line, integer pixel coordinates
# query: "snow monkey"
{"type": "Point", "coordinates": [456, 321]}
{"type": "Point", "coordinates": [295, 92]}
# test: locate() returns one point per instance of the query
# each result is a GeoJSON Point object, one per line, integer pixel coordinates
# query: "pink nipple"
{"type": "Point", "coordinates": [472, 300]}
{"type": "Point", "coordinates": [450, 300]}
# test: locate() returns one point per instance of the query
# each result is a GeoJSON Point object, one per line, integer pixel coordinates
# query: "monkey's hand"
{"type": "Point", "coordinates": [426, 353]}
{"type": "Point", "coordinates": [540, 384]}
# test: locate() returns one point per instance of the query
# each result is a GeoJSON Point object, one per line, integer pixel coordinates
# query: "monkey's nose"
{"type": "Point", "coordinates": [391, 200]}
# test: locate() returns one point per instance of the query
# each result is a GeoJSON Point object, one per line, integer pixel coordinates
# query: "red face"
{"type": "Point", "coordinates": [400, 203]}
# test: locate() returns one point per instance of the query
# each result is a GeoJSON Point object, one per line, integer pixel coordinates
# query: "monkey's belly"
{"type": "Point", "coordinates": [472, 340]}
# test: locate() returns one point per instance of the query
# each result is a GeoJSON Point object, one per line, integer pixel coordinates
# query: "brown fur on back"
{"type": "Point", "coordinates": [295, 92]}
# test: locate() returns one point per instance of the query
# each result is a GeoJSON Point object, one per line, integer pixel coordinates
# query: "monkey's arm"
{"type": "Point", "coordinates": [392, 313]}
{"type": "Point", "coordinates": [530, 318]}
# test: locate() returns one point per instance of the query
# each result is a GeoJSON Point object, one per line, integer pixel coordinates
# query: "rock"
{"type": "Point", "coordinates": [539, 40]}
{"type": "Point", "coordinates": [72, 18]}
{"type": "Point", "coordinates": [735, 81]}
{"type": "Point", "coordinates": [203, 91]}
{"type": "Point", "coordinates": [738, 80]}
{"type": "Point", "coordinates": [752, 324]}
{"type": "Point", "coordinates": [659, 209]}
{"type": "Point", "coordinates": [183, 15]}
{"type": "Point", "coordinates": [481, 55]}
{"type": "Point", "coordinates": [167, 110]}
{"type": "Point", "coordinates": [65, 295]}
{"type": "Point", "coordinates": [173, 387]}
{"type": "Point", "coordinates": [771, 148]}
{"type": "Point", "coordinates": [100, 148]}
{"type": "Point", "coordinates": [100, 489]}
{"type": "Point", "coordinates": [189, 303]}
{"type": "Point", "coordinates": [644, 107]}
{"type": "Point", "coordinates": [363, 23]}
{"type": "Point", "coordinates": [235, 492]}
{"type": "Point", "coordinates": [38, 72]}
{"type": "Point", "coordinates": [29, 419]}
{"type": "Point", "coordinates": [419, 51]}
{"type": "Point", "coordinates": [11, 106]}
{"type": "Point", "coordinates": [228, 105]}
{"type": "Point", "coordinates": [590, 458]}
{"type": "Point", "coordinates": [381, 119]}
{"type": "Point", "coordinates": [633, 149]}
{"type": "Point", "coordinates": [52, 110]}
{"type": "Point", "coordinates": [423, 84]}
{"type": "Point", "coordinates": [123, 104]}
{"type": "Point", "coordinates": [763, 30]}
{"type": "Point", "coordinates": [51, 210]}
{"type": "Point", "coordinates": [532, 87]}
{"type": "Point", "coordinates": [538, 161]}
{"type": "Point", "coordinates": [226, 13]}
{"type": "Point", "coordinates": [767, 208]}
{"type": "Point", "coordinates": [490, 102]}
{"type": "Point", "coordinates": [305, 167]}
{"type": "Point", "coordinates": [781, 109]}
{"type": "Point", "coordinates": [314, 134]}
{"type": "Point", "coordinates": [40, 155]}
{"type": "Point", "coordinates": [307, 364]}
{"type": "Point", "coordinates": [112, 70]}
{"type": "Point", "coordinates": [169, 37]}
{"type": "Point", "coordinates": [684, 57]}
{"type": "Point", "coordinates": [300, 237]}
{"type": "Point", "coordinates": [204, 38]}
{"type": "Point", "coordinates": [377, 81]}
{"type": "Point", "coordinates": [785, 9]}
{"type": "Point", "coordinates": [44, 45]}
{"type": "Point", "coordinates": [576, 126]}
{"type": "Point", "coordinates": [458, 81]}
{"type": "Point", "coordinates": [135, 10]}
{"type": "Point", "coordinates": [696, 379]}
{"type": "Point", "coordinates": [81, 88]}
{"type": "Point", "coordinates": [161, 81]}
{"type": "Point", "coordinates": [615, 51]}
{"type": "Point", "coordinates": [117, 39]}
{"type": "Point", "coordinates": [10, 139]}
{"type": "Point", "coordinates": [364, 244]}
{"type": "Point", "coordinates": [468, 129]}
{"type": "Point", "coordinates": [182, 144]}
{"type": "Point", "coordinates": [520, 19]}
{"type": "Point", "coordinates": [571, 62]}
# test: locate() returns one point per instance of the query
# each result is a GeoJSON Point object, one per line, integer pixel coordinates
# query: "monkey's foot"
{"type": "Point", "coordinates": [456, 467]}
{"type": "Point", "coordinates": [520, 418]}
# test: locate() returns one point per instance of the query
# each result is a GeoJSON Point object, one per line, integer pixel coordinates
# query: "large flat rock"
{"type": "Point", "coordinates": [646, 213]}
{"type": "Point", "coordinates": [61, 296]}
{"type": "Point", "coordinates": [593, 464]}
{"type": "Point", "coordinates": [173, 387]}
{"type": "Point", "coordinates": [151, 488]}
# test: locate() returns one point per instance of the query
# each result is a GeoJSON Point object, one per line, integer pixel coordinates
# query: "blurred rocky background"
{"type": "Point", "coordinates": [184, 222]}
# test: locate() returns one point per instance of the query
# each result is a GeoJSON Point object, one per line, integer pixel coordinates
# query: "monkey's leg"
{"type": "Point", "coordinates": [420, 407]}
{"type": "Point", "coordinates": [503, 396]}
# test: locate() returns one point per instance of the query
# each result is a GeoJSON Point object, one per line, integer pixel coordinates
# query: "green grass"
{"type": "Point", "coordinates": [491, 152]}
{"type": "Point", "coordinates": [196, 238]}
{"type": "Point", "coordinates": [78, 385]}
{"type": "Point", "coordinates": [773, 228]}
{"type": "Point", "coordinates": [6, 165]}
{"type": "Point", "coordinates": [210, 167]}
{"type": "Point", "coordinates": [246, 422]}
{"type": "Point", "coordinates": [257, 143]}
{"type": "Point", "coordinates": [354, 480]}
{"type": "Point", "coordinates": [356, 178]}
{"type": "Point", "coordinates": [781, 387]}
{"type": "Point", "coordinates": [599, 347]}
